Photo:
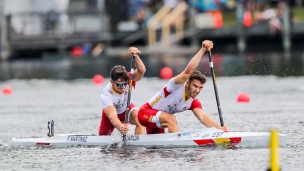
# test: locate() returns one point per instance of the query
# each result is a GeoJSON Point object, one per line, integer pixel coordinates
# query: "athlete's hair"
{"type": "Point", "coordinates": [197, 75]}
{"type": "Point", "coordinates": [119, 72]}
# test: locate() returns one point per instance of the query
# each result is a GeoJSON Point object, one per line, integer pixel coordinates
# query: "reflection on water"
{"type": "Point", "coordinates": [189, 154]}
{"type": "Point", "coordinates": [270, 63]}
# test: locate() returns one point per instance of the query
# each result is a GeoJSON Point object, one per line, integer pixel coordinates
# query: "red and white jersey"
{"type": "Point", "coordinates": [171, 99]}
{"type": "Point", "coordinates": [110, 97]}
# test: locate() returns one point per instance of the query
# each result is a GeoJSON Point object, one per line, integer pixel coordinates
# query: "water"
{"type": "Point", "coordinates": [276, 102]}
{"type": "Point", "coordinates": [259, 63]}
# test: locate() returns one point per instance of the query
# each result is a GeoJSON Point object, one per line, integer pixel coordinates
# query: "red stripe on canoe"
{"type": "Point", "coordinates": [233, 141]}
{"type": "Point", "coordinates": [204, 142]}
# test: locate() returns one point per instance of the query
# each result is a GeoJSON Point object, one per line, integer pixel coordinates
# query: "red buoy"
{"type": "Point", "coordinates": [243, 98]}
{"type": "Point", "coordinates": [166, 73]}
{"type": "Point", "coordinates": [7, 90]}
{"type": "Point", "coordinates": [98, 79]}
{"type": "Point", "coordinates": [77, 51]}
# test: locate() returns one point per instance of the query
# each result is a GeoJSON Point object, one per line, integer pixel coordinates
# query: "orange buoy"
{"type": "Point", "coordinates": [247, 19]}
{"type": "Point", "coordinates": [166, 73]}
{"type": "Point", "coordinates": [98, 79]}
{"type": "Point", "coordinates": [243, 98]}
{"type": "Point", "coordinates": [7, 90]}
{"type": "Point", "coordinates": [218, 20]}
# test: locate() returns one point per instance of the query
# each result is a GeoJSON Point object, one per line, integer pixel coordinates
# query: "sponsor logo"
{"type": "Point", "coordinates": [196, 135]}
{"type": "Point", "coordinates": [77, 138]}
{"type": "Point", "coordinates": [187, 135]}
{"type": "Point", "coordinates": [204, 135]}
{"type": "Point", "coordinates": [217, 134]}
{"type": "Point", "coordinates": [171, 109]}
{"type": "Point", "coordinates": [120, 105]}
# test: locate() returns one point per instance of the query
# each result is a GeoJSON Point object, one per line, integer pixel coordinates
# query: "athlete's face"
{"type": "Point", "coordinates": [193, 88]}
{"type": "Point", "coordinates": [119, 85]}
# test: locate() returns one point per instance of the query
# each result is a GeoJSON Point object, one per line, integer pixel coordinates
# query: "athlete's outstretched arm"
{"type": "Point", "coordinates": [206, 119]}
{"type": "Point", "coordinates": [183, 76]}
{"type": "Point", "coordinates": [111, 113]}
{"type": "Point", "coordinates": [140, 66]}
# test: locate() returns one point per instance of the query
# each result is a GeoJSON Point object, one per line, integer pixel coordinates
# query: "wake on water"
{"type": "Point", "coordinates": [2, 144]}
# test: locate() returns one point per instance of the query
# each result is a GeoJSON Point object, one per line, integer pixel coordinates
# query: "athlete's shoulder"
{"type": "Point", "coordinates": [107, 90]}
{"type": "Point", "coordinates": [172, 86]}
{"type": "Point", "coordinates": [196, 104]}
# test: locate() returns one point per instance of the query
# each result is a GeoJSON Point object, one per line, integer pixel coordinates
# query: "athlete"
{"type": "Point", "coordinates": [177, 96]}
{"type": "Point", "coordinates": [114, 98]}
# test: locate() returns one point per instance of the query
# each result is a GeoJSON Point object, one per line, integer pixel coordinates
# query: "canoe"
{"type": "Point", "coordinates": [201, 137]}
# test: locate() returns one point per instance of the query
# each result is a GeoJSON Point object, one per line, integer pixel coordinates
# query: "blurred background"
{"type": "Point", "coordinates": [69, 39]}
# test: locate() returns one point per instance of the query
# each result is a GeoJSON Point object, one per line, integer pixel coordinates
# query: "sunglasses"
{"type": "Point", "coordinates": [121, 84]}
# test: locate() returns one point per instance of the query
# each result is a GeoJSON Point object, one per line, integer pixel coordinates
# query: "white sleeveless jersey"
{"type": "Point", "coordinates": [110, 97]}
{"type": "Point", "coordinates": [171, 99]}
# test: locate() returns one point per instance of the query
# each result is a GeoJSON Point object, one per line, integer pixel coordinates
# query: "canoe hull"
{"type": "Point", "coordinates": [209, 136]}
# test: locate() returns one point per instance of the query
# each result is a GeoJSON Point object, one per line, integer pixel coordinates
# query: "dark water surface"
{"type": "Point", "coordinates": [276, 102]}
{"type": "Point", "coordinates": [259, 63]}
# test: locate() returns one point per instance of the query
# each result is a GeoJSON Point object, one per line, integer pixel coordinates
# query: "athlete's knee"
{"type": "Point", "coordinates": [171, 119]}
{"type": "Point", "coordinates": [137, 124]}
{"type": "Point", "coordinates": [134, 119]}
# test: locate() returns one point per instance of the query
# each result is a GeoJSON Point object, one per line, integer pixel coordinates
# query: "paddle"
{"type": "Point", "coordinates": [129, 96]}
{"type": "Point", "coordinates": [215, 89]}
{"type": "Point", "coordinates": [51, 128]}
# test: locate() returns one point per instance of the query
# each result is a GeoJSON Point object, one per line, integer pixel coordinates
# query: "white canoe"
{"type": "Point", "coordinates": [208, 136]}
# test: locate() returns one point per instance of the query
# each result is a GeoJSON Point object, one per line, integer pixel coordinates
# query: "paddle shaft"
{"type": "Point", "coordinates": [129, 95]}
{"type": "Point", "coordinates": [130, 90]}
{"type": "Point", "coordinates": [215, 89]}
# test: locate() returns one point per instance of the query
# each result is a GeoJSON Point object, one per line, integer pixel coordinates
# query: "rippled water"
{"type": "Point", "coordinates": [75, 106]}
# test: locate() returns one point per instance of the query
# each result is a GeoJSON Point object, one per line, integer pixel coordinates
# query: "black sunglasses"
{"type": "Point", "coordinates": [121, 84]}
